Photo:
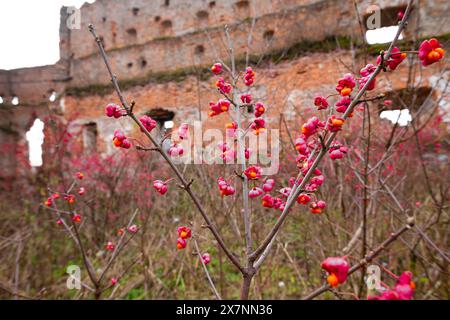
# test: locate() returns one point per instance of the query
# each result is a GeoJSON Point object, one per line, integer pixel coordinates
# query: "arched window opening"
{"type": "Point", "coordinates": [398, 104]}
{"type": "Point", "coordinates": [402, 117]}
{"type": "Point", "coordinates": [199, 50]}
{"type": "Point", "coordinates": [164, 118]}
{"type": "Point", "coordinates": [15, 101]}
{"type": "Point", "coordinates": [132, 34]}
{"type": "Point", "coordinates": [52, 96]}
{"type": "Point", "coordinates": [166, 24]}
{"type": "Point", "coordinates": [35, 138]}
{"type": "Point", "coordinates": [268, 35]}
{"type": "Point", "coordinates": [202, 15]}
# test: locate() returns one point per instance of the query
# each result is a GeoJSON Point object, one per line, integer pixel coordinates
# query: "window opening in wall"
{"type": "Point", "coordinates": [135, 11]}
{"type": "Point", "coordinates": [398, 104]}
{"type": "Point", "coordinates": [166, 3]}
{"type": "Point", "coordinates": [164, 118]}
{"type": "Point", "coordinates": [382, 24]}
{"type": "Point", "coordinates": [199, 50]}
{"type": "Point", "coordinates": [268, 35]}
{"type": "Point", "coordinates": [202, 15]}
{"type": "Point", "coordinates": [35, 138]}
{"type": "Point", "coordinates": [212, 4]}
{"type": "Point", "coordinates": [402, 117]}
{"type": "Point", "coordinates": [166, 24]}
{"type": "Point", "coordinates": [90, 137]}
{"type": "Point", "coordinates": [1, 99]}
{"type": "Point", "coordinates": [132, 33]}
{"type": "Point", "coordinates": [15, 100]}
{"type": "Point", "coordinates": [168, 124]}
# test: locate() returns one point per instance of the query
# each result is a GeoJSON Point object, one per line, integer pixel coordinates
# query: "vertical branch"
{"type": "Point", "coordinates": [267, 243]}
{"type": "Point", "coordinates": [184, 183]}
{"type": "Point", "coordinates": [365, 199]}
{"type": "Point", "coordinates": [368, 258]}
{"type": "Point", "coordinates": [248, 272]}
{"type": "Point", "coordinates": [241, 147]}
{"type": "Point", "coordinates": [211, 283]}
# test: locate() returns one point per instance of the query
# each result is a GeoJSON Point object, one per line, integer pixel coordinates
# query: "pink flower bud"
{"type": "Point", "coordinates": [113, 110]}
{"type": "Point", "coordinates": [225, 188]}
{"type": "Point", "coordinates": [183, 131]}
{"type": "Point", "coordinates": [247, 153]}
{"type": "Point", "coordinates": [175, 150]}
{"type": "Point", "coordinates": [268, 185]}
{"type": "Point", "coordinates": [268, 201]}
{"type": "Point", "coordinates": [336, 154]}
{"type": "Point", "coordinates": [346, 84]}
{"type": "Point", "coordinates": [320, 102]}
{"type": "Point", "coordinates": [181, 243]}
{"type": "Point", "coordinates": [79, 175]}
{"type": "Point", "coordinates": [206, 258]}
{"type": "Point", "coordinates": [286, 191]}
{"type": "Point", "coordinates": [342, 105]}
{"type": "Point", "coordinates": [148, 123]}
{"type": "Point", "coordinates": [126, 144]}
{"type": "Point", "coordinates": [249, 76]}
{"type": "Point", "coordinates": [253, 172]}
{"type": "Point", "coordinates": [259, 109]}
{"type": "Point", "coordinates": [110, 246]}
{"type": "Point", "coordinates": [255, 192]}
{"type": "Point", "coordinates": [321, 204]}
{"type": "Point", "coordinates": [223, 146]}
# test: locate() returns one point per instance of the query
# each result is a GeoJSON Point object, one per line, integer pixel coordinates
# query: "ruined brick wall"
{"type": "Point", "coordinates": [150, 36]}
{"type": "Point", "coordinates": [286, 89]}
{"type": "Point", "coordinates": [144, 38]}
{"type": "Point", "coordinates": [138, 43]}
